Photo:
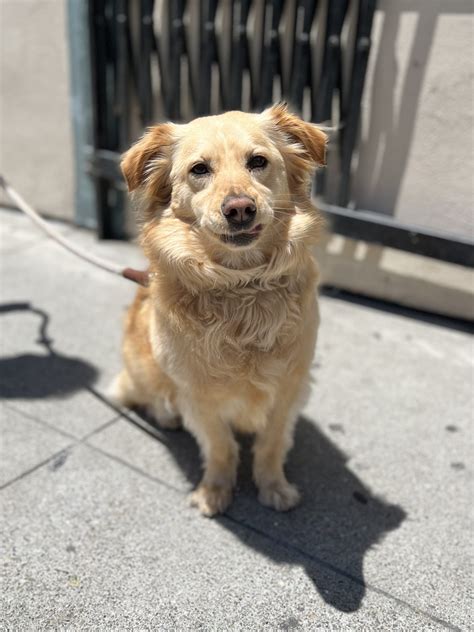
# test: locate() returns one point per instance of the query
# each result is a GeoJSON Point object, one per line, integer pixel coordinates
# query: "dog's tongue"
{"type": "Point", "coordinates": [255, 230]}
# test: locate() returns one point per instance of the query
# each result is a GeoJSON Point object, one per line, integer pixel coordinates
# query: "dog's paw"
{"type": "Point", "coordinates": [211, 499]}
{"type": "Point", "coordinates": [117, 391]}
{"type": "Point", "coordinates": [164, 421]}
{"type": "Point", "coordinates": [164, 415]}
{"type": "Point", "coordinates": [279, 495]}
{"type": "Point", "coordinates": [170, 423]}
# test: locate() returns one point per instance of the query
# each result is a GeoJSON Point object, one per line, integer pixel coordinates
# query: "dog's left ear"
{"type": "Point", "coordinates": [307, 136]}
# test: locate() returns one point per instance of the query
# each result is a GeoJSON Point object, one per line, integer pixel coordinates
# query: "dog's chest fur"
{"type": "Point", "coordinates": [229, 329]}
{"type": "Point", "coordinates": [253, 317]}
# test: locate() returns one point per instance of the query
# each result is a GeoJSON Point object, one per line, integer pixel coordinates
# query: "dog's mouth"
{"type": "Point", "coordinates": [243, 238]}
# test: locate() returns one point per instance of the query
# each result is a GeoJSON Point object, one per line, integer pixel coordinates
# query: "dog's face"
{"type": "Point", "coordinates": [227, 176]}
{"type": "Point", "coordinates": [234, 177]}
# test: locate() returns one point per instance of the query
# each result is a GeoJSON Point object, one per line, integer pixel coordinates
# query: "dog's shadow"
{"type": "Point", "coordinates": [338, 521]}
{"type": "Point", "coordinates": [42, 375]}
{"type": "Point", "coordinates": [329, 533]}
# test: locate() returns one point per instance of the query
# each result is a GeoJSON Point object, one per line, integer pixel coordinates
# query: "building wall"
{"type": "Point", "coordinates": [36, 141]}
{"type": "Point", "coordinates": [416, 153]}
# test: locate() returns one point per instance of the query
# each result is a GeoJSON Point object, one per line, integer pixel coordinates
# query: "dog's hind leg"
{"type": "Point", "coordinates": [156, 402]}
{"type": "Point", "coordinates": [122, 390]}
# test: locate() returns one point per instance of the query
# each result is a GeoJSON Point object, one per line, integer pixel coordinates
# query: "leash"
{"type": "Point", "coordinates": [137, 276]}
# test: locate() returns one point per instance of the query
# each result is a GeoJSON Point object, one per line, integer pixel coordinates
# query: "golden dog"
{"type": "Point", "coordinates": [224, 336]}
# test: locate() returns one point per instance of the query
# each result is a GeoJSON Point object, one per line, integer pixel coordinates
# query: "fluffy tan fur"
{"type": "Point", "coordinates": [224, 336]}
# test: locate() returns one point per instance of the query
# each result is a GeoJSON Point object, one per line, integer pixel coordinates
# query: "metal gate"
{"type": "Point", "coordinates": [176, 59]}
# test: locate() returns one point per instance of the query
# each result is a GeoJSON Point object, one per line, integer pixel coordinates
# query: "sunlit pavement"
{"type": "Point", "coordinates": [96, 530]}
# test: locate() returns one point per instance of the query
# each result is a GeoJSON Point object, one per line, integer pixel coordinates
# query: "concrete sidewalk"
{"type": "Point", "coordinates": [96, 531]}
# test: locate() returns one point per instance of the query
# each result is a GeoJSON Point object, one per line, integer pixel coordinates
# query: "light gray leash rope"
{"type": "Point", "coordinates": [138, 276]}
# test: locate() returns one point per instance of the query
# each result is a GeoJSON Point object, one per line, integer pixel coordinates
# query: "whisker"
{"type": "Point", "coordinates": [299, 209]}
{"type": "Point", "coordinates": [292, 195]}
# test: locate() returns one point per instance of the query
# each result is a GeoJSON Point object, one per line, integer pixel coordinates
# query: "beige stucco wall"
{"type": "Point", "coordinates": [36, 143]}
{"type": "Point", "coordinates": [417, 136]}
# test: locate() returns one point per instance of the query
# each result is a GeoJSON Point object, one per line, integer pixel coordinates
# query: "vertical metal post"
{"type": "Point", "coordinates": [82, 108]}
{"type": "Point", "coordinates": [208, 55]}
{"type": "Point", "coordinates": [110, 129]}
{"type": "Point", "coordinates": [143, 67]}
{"type": "Point", "coordinates": [121, 103]}
{"type": "Point", "coordinates": [98, 74]}
{"type": "Point", "coordinates": [271, 61]}
{"type": "Point", "coordinates": [175, 51]}
{"type": "Point", "coordinates": [239, 52]}
{"type": "Point", "coordinates": [351, 108]}
{"type": "Point", "coordinates": [322, 99]}
{"type": "Point", "coordinates": [331, 72]}
{"type": "Point", "coordinates": [301, 65]}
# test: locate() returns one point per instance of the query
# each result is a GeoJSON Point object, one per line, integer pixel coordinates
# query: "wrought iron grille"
{"type": "Point", "coordinates": [154, 60]}
{"type": "Point", "coordinates": [179, 59]}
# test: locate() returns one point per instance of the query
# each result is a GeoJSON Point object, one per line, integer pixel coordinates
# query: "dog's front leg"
{"type": "Point", "coordinates": [271, 447]}
{"type": "Point", "coordinates": [219, 451]}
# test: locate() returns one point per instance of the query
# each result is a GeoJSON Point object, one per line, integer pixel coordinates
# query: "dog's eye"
{"type": "Point", "coordinates": [257, 162]}
{"type": "Point", "coordinates": [201, 169]}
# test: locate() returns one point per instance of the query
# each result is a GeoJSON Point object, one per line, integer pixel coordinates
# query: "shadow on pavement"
{"type": "Point", "coordinates": [339, 520]}
{"type": "Point", "coordinates": [387, 307]}
{"type": "Point", "coordinates": [51, 374]}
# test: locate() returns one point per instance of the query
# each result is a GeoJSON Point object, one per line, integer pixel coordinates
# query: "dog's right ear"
{"type": "Point", "coordinates": [147, 163]}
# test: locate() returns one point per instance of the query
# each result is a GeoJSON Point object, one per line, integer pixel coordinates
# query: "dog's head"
{"type": "Point", "coordinates": [236, 178]}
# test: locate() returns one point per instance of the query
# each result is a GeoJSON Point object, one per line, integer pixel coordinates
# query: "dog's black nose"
{"type": "Point", "coordinates": [239, 210]}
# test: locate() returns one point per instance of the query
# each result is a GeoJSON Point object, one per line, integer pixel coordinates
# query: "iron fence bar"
{"type": "Point", "coordinates": [171, 70]}
{"type": "Point", "coordinates": [301, 64]}
{"type": "Point", "coordinates": [143, 67]}
{"type": "Point", "coordinates": [223, 84]}
{"type": "Point", "coordinates": [255, 71]}
{"type": "Point", "coordinates": [161, 73]}
{"type": "Point", "coordinates": [382, 229]}
{"type": "Point", "coordinates": [271, 56]}
{"type": "Point", "coordinates": [322, 99]}
{"type": "Point", "coordinates": [105, 164]}
{"type": "Point", "coordinates": [239, 53]}
{"type": "Point", "coordinates": [176, 49]}
{"type": "Point", "coordinates": [351, 108]}
{"type": "Point", "coordinates": [224, 73]}
{"type": "Point", "coordinates": [133, 62]}
{"type": "Point", "coordinates": [118, 107]}
{"type": "Point", "coordinates": [287, 28]}
{"type": "Point", "coordinates": [208, 56]}
{"type": "Point", "coordinates": [331, 69]}
{"type": "Point", "coordinates": [98, 33]}
{"type": "Point", "coordinates": [121, 96]}
{"type": "Point", "coordinates": [111, 122]}
{"type": "Point", "coordinates": [99, 67]}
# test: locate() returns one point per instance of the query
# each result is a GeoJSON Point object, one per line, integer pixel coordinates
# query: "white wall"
{"type": "Point", "coordinates": [36, 144]}
{"type": "Point", "coordinates": [416, 153]}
